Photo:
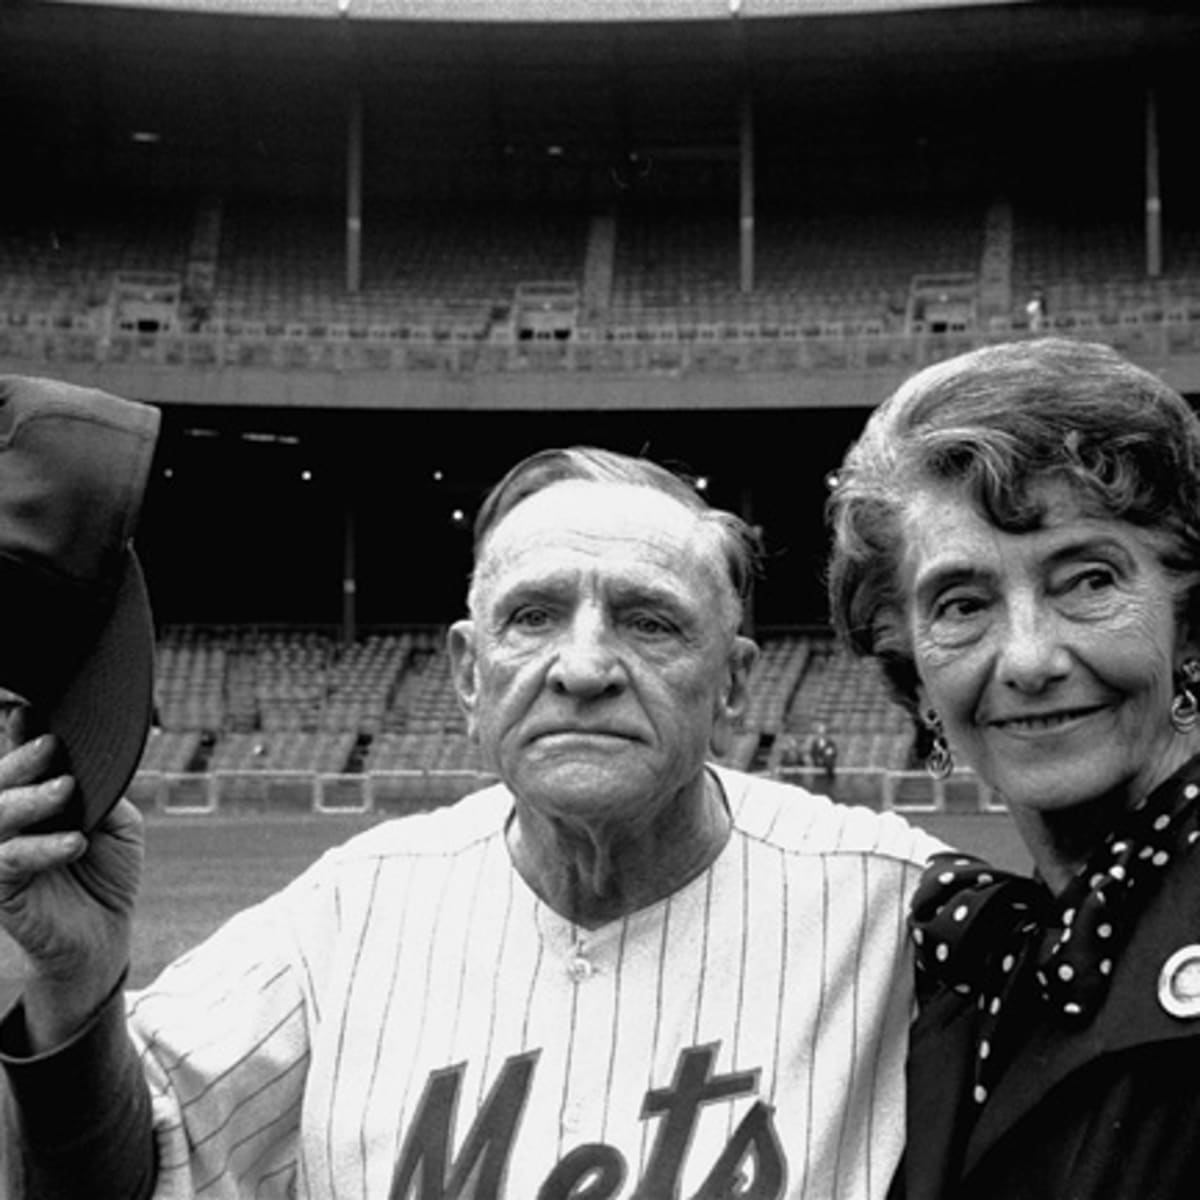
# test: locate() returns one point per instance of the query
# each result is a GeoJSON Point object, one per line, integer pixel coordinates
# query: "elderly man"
{"type": "Point", "coordinates": [623, 971]}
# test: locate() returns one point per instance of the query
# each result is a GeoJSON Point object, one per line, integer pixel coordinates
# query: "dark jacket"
{"type": "Point", "coordinates": [1107, 1112]}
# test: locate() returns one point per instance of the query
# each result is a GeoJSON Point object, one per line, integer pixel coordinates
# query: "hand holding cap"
{"type": "Point", "coordinates": [76, 632]}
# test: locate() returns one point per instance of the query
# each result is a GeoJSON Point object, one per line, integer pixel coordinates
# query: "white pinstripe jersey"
{"type": "Point", "coordinates": [408, 1020]}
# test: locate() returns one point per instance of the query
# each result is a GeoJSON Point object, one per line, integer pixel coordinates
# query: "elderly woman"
{"type": "Point", "coordinates": [1017, 541]}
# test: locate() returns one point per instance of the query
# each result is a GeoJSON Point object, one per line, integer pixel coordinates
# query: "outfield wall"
{"type": "Point", "coordinates": [400, 793]}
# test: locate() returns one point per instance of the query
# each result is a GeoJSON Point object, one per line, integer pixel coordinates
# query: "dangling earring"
{"type": "Point", "coordinates": [1185, 708]}
{"type": "Point", "coordinates": [940, 763]}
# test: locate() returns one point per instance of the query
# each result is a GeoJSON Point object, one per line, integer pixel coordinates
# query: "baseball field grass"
{"type": "Point", "coordinates": [202, 869]}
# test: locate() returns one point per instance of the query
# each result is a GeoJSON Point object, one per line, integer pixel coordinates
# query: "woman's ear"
{"type": "Point", "coordinates": [1187, 644]}
{"type": "Point", "coordinates": [460, 644]}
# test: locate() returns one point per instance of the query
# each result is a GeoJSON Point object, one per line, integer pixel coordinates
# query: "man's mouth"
{"type": "Point", "coordinates": [583, 732]}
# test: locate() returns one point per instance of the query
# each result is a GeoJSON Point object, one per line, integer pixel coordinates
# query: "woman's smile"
{"type": "Point", "coordinates": [1048, 654]}
{"type": "Point", "coordinates": [1043, 722]}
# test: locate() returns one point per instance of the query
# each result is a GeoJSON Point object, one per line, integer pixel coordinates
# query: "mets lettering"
{"type": "Point", "coordinates": [751, 1167]}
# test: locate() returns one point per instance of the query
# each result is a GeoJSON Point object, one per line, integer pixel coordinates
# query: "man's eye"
{"type": "Point", "coordinates": [648, 624]}
{"type": "Point", "coordinates": [530, 618]}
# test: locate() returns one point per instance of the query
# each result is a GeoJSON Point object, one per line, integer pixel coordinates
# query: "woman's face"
{"type": "Point", "coordinates": [1050, 656]}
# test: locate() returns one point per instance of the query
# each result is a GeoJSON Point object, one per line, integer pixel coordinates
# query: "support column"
{"type": "Point", "coordinates": [746, 192]}
{"type": "Point", "coordinates": [354, 161]}
{"type": "Point", "coordinates": [1153, 193]}
{"type": "Point", "coordinates": [349, 571]}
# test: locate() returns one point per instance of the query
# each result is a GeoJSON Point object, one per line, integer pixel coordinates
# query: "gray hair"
{"type": "Point", "coordinates": [998, 421]}
{"type": "Point", "coordinates": [736, 543]}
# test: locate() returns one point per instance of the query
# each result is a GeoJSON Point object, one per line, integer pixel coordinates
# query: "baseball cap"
{"type": "Point", "coordinates": [76, 632]}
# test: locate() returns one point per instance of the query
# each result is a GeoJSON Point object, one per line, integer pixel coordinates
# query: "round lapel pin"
{"type": "Point", "coordinates": [1179, 983]}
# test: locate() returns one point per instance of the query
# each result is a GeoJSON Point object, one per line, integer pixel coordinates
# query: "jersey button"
{"type": "Point", "coordinates": [580, 969]}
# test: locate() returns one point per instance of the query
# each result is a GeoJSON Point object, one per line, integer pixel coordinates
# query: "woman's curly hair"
{"type": "Point", "coordinates": [998, 422]}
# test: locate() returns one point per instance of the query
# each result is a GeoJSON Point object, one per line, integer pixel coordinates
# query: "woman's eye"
{"type": "Point", "coordinates": [957, 608]}
{"type": "Point", "coordinates": [1084, 590]}
{"type": "Point", "coordinates": [1094, 580]}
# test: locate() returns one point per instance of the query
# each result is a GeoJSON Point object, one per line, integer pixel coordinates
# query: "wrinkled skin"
{"type": "Point", "coordinates": [599, 669]}
{"type": "Point", "coordinates": [65, 899]}
{"type": "Point", "coordinates": [1051, 658]}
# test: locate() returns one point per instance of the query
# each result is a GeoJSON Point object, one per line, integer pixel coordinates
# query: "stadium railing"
{"type": "Point", "coordinates": [895, 790]}
{"type": "Point", "coordinates": [393, 792]}
{"type": "Point", "coordinates": [403, 791]}
{"type": "Point", "coordinates": [737, 347]}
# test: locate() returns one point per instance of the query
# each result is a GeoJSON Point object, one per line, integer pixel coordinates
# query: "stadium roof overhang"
{"type": "Point", "coordinates": [539, 11]}
{"type": "Point", "coordinates": [463, 79]}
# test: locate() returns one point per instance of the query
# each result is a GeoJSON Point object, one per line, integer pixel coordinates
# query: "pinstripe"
{"type": "Point", "coordinates": [475, 853]}
{"type": "Point", "coordinates": [871, 1067]}
{"type": "Point", "coordinates": [572, 1032]}
{"type": "Point", "coordinates": [614, 1033]}
{"type": "Point", "coordinates": [443, 865]}
{"type": "Point", "coordinates": [340, 1053]}
{"type": "Point", "coordinates": [770, 829]}
{"type": "Point", "coordinates": [248, 1055]}
{"type": "Point", "coordinates": [743, 964]}
{"type": "Point", "coordinates": [496, 981]}
{"type": "Point", "coordinates": [855, 1066]}
{"type": "Point", "coordinates": [785, 967]}
{"type": "Point", "coordinates": [439, 911]}
{"type": "Point", "coordinates": [816, 1023]}
{"type": "Point", "coordinates": [705, 928]}
{"type": "Point", "coordinates": [309, 988]}
{"type": "Point", "coordinates": [217, 1003]}
{"type": "Point", "coordinates": [659, 1007]}
{"type": "Point", "coordinates": [899, 916]}
{"type": "Point", "coordinates": [245, 1140]}
{"type": "Point", "coordinates": [269, 1177]}
{"type": "Point", "coordinates": [537, 971]}
{"type": "Point", "coordinates": [376, 1059]}
{"type": "Point", "coordinates": [433, 960]}
{"type": "Point", "coordinates": [231, 1117]}
{"type": "Point", "coordinates": [740, 1005]}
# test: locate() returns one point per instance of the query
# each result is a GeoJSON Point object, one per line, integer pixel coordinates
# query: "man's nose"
{"type": "Point", "coordinates": [1032, 653]}
{"type": "Point", "coordinates": [586, 662]}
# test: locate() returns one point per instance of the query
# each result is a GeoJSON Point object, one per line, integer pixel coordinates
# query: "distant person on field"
{"type": "Point", "coordinates": [791, 751]}
{"type": "Point", "coordinates": [1035, 310]}
{"type": "Point", "coordinates": [823, 751]}
{"type": "Point", "coordinates": [622, 970]}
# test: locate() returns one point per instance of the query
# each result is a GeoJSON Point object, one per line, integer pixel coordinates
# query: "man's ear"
{"type": "Point", "coordinates": [460, 644]}
{"type": "Point", "coordinates": [733, 702]}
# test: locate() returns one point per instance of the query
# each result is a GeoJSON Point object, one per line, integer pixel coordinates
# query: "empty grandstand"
{"type": "Point", "coordinates": [364, 254]}
{"type": "Point", "coordinates": [259, 716]}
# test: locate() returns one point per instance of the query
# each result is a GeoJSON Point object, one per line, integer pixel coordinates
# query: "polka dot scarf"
{"type": "Point", "coordinates": [1015, 946]}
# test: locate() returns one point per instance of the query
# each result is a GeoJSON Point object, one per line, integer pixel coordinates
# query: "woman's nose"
{"type": "Point", "coordinates": [586, 662]}
{"type": "Point", "coordinates": [1032, 654]}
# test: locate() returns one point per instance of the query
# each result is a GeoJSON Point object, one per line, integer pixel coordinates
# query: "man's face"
{"type": "Point", "coordinates": [599, 662]}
